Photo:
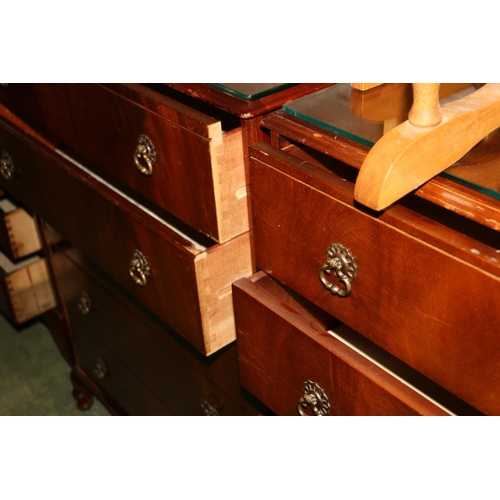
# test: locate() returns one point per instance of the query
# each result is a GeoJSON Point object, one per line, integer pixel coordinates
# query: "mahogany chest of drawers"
{"type": "Point", "coordinates": [142, 194]}
{"type": "Point", "coordinates": [415, 288]}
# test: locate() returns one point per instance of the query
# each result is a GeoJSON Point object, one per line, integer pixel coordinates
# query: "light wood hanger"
{"type": "Point", "coordinates": [432, 139]}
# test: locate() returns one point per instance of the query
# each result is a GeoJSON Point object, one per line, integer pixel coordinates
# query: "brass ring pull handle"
{"type": "Point", "coordinates": [145, 152]}
{"type": "Point", "coordinates": [100, 368]}
{"type": "Point", "coordinates": [339, 261]}
{"type": "Point", "coordinates": [6, 166]}
{"type": "Point", "coordinates": [208, 409]}
{"type": "Point", "coordinates": [314, 398]}
{"type": "Point", "coordinates": [139, 268]}
{"type": "Point", "coordinates": [85, 303]}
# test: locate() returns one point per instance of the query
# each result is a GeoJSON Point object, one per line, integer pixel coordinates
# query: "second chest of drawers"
{"type": "Point", "coordinates": [417, 280]}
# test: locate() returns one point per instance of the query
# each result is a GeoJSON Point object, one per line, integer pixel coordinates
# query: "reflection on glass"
{"type": "Point", "coordinates": [251, 91]}
{"type": "Point", "coordinates": [364, 116]}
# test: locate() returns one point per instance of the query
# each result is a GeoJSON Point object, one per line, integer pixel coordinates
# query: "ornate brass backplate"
{"type": "Point", "coordinates": [340, 262]}
{"type": "Point", "coordinates": [315, 398]}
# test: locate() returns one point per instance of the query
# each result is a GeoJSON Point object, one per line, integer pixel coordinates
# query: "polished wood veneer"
{"type": "Point", "coordinates": [284, 341]}
{"type": "Point", "coordinates": [119, 344]}
{"type": "Point", "coordinates": [199, 174]}
{"type": "Point", "coordinates": [189, 284]}
{"type": "Point", "coordinates": [435, 309]}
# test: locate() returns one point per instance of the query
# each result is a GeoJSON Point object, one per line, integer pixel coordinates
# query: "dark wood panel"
{"type": "Point", "coordinates": [104, 127]}
{"type": "Point", "coordinates": [280, 348]}
{"type": "Point", "coordinates": [108, 372]}
{"type": "Point", "coordinates": [178, 375]}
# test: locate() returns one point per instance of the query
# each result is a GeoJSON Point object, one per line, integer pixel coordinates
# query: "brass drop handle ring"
{"type": "Point", "coordinates": [139, 268]}
{"type": "Point", "coordinates": [315, 398]}
{"type": "Point", "coordinates": [100, 368]}
{"type": "Point", "coordinates": [145, 152]}
{"type": "Point", "coordinates": [339, 261]}
{"type": "Point", "coordinates": [6, 166]}
{"type": "Point", "coordinates": [208, 409]}
{"type": "Point", "coordinates": [84, 303]}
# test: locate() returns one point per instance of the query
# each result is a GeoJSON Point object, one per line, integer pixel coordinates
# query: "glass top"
{"type": "Point", "coordinates": [364, 116]}
{"type": "Point", "coordinates": [251, 91]}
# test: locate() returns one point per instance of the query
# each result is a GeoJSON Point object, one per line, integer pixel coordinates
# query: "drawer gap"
{"type": "Point", "coordinates": [443, 216]}
{"type": "Point", "coordinates": [199, 242]}
{"type": "Point", "coordinates": [401, 371]}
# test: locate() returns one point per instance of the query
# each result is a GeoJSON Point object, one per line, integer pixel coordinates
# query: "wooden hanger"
{"type": "Point", "coordinates": [432, 139]}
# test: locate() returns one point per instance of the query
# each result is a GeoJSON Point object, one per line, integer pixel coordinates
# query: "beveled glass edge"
{"type": "Point", "coordinates": [330, 128]}
{"type": "Point", "coordinates": [471, 185]}
{"type": "Point", "coordinates": [252, 97]}
{"type": "Point", "coordinates": [363, 141]}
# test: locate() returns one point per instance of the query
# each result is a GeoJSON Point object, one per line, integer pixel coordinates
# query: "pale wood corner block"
{"type": "Point", "coordinates": [30, 291]}
{"type": "Point", "coordinates": [23, 233]}
{"type": "Point", "coordinates": [217, 269]}
{"type": "Point", "coordinates": [230, 185]}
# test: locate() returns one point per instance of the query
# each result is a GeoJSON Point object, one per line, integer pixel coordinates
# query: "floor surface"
{"type": "Point", "coordinates": [34, 376]}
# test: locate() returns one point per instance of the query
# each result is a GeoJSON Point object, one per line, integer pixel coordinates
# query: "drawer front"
{"type": "Point", "coordinates": [18, 232]}
{"type": "Point", "coordinates": [429, 308]}
{"type": "Point", "coordinates": [114, 378]}
{"type": "Point", "coordinates": [286, 354]}
{"type": "Point", "coordinates": [198, 172]}
{"type": "Point", "coordinates": [176, 374]}
{"type": "Point", "coordinates": [26, 289]}
{"type": "Point", "coordinates": [188, 285]}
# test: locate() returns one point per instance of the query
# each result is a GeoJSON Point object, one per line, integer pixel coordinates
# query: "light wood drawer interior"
{"type": "Point", "coordinates": [189, 281]}
{"type": "Point", "coordinates": [18, 232]}
{"type": "Point", "coordinates": [198, 171]}
{"type": "Point", "coordinates": [426, 292]}
{"type": "Point", "coordinates": [26, 290]}
{"type": "Point", "coordinates": [285, 343]}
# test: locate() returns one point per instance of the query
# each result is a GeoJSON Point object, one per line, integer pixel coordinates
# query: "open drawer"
{"type": "Point", "coordinates": [299, 360]}
{"type": "Point", "coordinates": [418, 280]}
{"type": "Point", "coordinates": [18, 232]}
{"type": "Point", "coordinates": [26, 290]}
{"type": "Point", "coordinates": [174, 156]}
{"type": "Point", "coordinates": [185, 281]}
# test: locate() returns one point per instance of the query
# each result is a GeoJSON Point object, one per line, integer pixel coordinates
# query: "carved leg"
{"type": "Point", "coordinates": [83, 396]}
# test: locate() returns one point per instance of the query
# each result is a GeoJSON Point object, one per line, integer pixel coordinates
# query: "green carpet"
{"type": "Point", "coordinates": [34, 376]}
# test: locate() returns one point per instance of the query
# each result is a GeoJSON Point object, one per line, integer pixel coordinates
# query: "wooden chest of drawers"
{"type": "Point", "coordinates": [416, 282]}
{"type": "Point", "coordinates": [421, 280]}
{"type": "Point", "coordinates": [150, 184]}
{"type": "Point", "coordinates": [138, 361]}
{"type": "Point", "coordinates": [178, 278]}
{"type": "Point", "coordinates": [175, 156]}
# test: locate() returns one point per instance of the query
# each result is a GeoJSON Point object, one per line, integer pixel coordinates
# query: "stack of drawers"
{"type": "Point", "coordinates": [148, 187]}
{"type": "Point", "coordinates": [26, 290]}
{"type": "Point", "coordinates": [363, 313]}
